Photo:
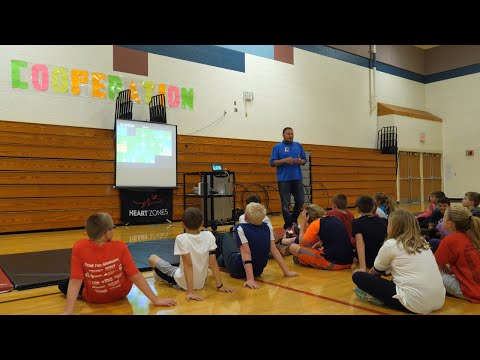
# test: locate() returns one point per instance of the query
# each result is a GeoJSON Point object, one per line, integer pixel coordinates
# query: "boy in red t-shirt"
{"type": "Point", "coordinates": [103, 270]}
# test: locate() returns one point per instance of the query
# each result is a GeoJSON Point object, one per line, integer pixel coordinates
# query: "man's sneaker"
{"type": "Point", "coordinates": [364, 296]}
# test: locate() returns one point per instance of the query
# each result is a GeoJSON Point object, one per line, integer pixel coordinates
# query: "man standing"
{"type": "Point", "coordinates": [287, 157]}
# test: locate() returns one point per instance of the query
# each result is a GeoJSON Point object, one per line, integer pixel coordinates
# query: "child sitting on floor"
{"type": "Point", "coordinates": [102, 270]}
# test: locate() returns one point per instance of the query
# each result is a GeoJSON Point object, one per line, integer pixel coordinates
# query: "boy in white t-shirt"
{"type": "Point", "coordinates": [197, 252]}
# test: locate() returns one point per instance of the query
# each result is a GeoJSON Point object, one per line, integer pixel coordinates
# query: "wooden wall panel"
{"type": "Point", "coordinates": [53, 176]}
{"type": "Point", "coordinates": [51, 152]}
{"type": "Point", "coordinates": [43, 220]}
{"type": "Point", "coordinates": [28, 164]}
{"type": "Point", "coordinates": [42, 129]}
{"type": "Point", "coordinates": [53, 191]}
{"type": "Point", "coordinates": [50, 178]}
{"type": "Point", "coordinates": [352, 170]}
{"type": "Point", "coordinates": [59, 203]}
{"type": "Point", "coordinates": [56, 140]}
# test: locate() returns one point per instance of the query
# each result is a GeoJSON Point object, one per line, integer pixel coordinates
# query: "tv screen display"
{"type": "Point", "coordinates": [217, 167]}
{"type": "Point", "coordinates": [146, 154]}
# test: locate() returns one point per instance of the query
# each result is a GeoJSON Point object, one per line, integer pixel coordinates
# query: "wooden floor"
{"type": "Point", "coordinates": [313, 292]}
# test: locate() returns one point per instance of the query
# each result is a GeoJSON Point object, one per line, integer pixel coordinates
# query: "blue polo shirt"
{"type": "Point", "coordinates": [286, 172]}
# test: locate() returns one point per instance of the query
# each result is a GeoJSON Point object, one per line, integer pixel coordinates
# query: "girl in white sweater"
{"type": "Point", "coordinates": [417, 285]}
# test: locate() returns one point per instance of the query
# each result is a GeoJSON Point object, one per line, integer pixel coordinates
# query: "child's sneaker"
{"type": "Point", "coordinates": [364, 296]}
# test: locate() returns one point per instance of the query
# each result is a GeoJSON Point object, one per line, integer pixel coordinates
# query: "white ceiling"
{"type": "Point", "coordinates": [426, 47]}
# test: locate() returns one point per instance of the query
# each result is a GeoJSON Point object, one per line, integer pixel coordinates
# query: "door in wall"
{"type": "Point", "coordinates": [409, 177]}
{"type": "Point", "coordinates": [432, 174]}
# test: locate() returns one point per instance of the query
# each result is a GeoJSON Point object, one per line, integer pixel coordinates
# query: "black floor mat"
{"type": "Point", "coordinates": [36, 269]}
{"type": "Point", "coordinates": [141, 251]}
{"type": "Point", "coordinates": [44, 268]}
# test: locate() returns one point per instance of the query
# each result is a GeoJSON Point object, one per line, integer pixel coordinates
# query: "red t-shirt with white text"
{"type": "Point", "coordinates": [105, 269]}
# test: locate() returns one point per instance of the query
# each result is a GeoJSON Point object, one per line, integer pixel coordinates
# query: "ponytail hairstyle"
{"type": "Point", "coordinates": [466, 223]}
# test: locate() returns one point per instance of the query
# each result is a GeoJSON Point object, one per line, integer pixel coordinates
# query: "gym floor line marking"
{"type": "Point", "coordinates": [262, 281]}
{"type": "Point", "coordinates": [318, 296]}
{"type": "Point", "coordinates": [30, 297]}
{"type": "Point", "coordinates": [323, 297]}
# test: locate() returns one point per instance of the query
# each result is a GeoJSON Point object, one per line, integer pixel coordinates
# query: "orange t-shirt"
{"type": "Point", "coordinates": [311, 234]}
{"type": "Point", "coordinates": [105, 269]}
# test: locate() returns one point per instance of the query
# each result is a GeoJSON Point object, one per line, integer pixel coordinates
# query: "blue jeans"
{"type": "Point", "coordinates": [294, 187]}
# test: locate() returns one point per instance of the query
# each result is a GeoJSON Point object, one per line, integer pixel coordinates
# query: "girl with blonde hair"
{"type": "Point", "coordinates": [417, 285]}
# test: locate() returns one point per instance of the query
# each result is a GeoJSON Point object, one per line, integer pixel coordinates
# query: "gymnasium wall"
{"type": "Point", "coordinates": [324, 99]}
{"type": "Point", "coordinates": [410, 131]}
{"type": "Point", "coordinates": [456, 101]}
{"type": "Point", "coordinates": [323, 92]}
{"type": "Point", "coordinates": [54, 176]}
{"type": "Point", "coordinates": [448, 75]}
